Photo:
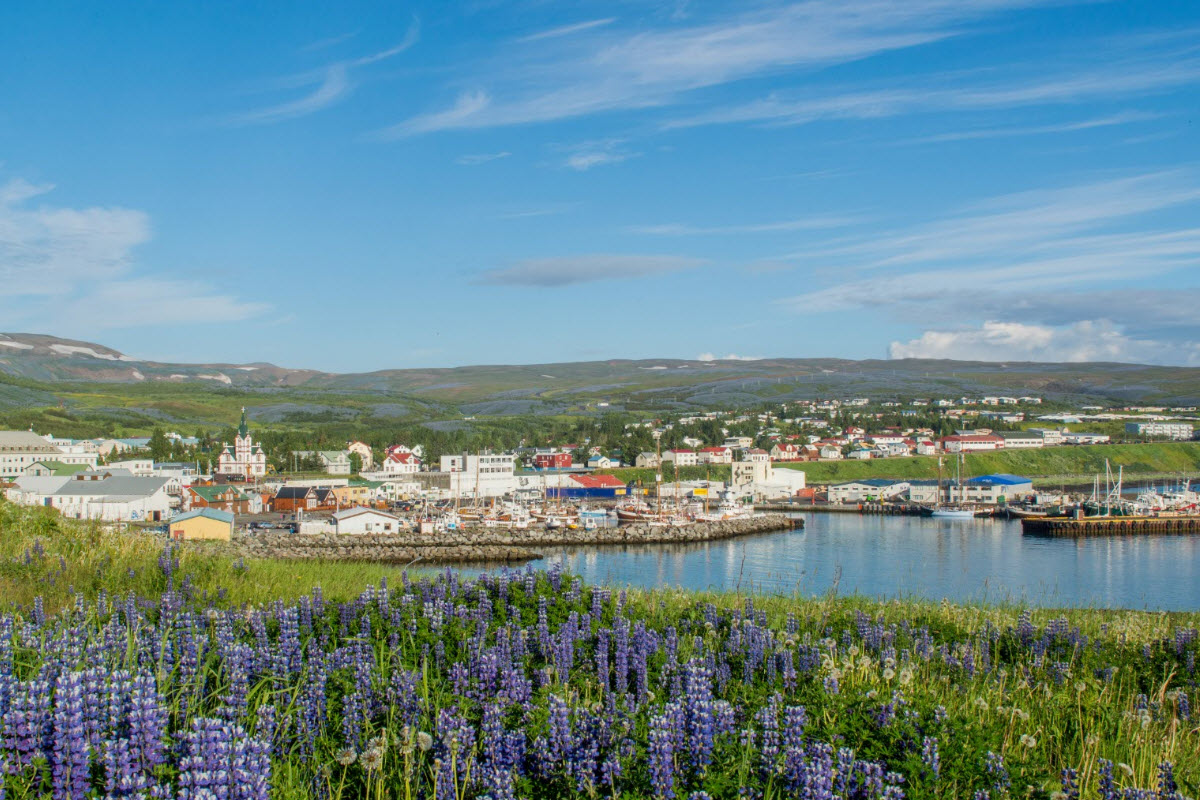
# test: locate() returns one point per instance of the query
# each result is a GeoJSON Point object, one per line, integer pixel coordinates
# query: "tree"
{"type": "Point", "coordinates": [356, 463]}
{"type": "Point", "coordinates": [160, 446]}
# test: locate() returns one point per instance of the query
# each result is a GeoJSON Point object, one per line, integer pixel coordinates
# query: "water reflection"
{"type": "Point", "coordinates": [911, 556]}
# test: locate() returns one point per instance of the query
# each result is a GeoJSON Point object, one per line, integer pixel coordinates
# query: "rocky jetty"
{"type": "Point", "coordinates": [494, 545]}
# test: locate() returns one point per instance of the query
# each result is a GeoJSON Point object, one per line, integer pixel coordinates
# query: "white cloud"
{"type": "Point", "coordinates": [330, 84]}
{"type": "Point", "coordinates": [334, 85]}
{"type": "Point", "coordinates": [46, 250]}
{"type": "Point", "coordinates": [570, 270]}
{"type": "Point", "coordinates": [1133, 78]}
{"type": "Point", "coordinates": [1124, 118]}
{"type": "Point", "coordinates": [815, 222]}
{"type": "Point", "coordinates": [1061, 239]}
{"type": "Point", "coordinates": [587, 155]}
{"type": "Point", "coordinates": [474, 159]}
{"type": "Point", "coordinates": [72, 270]}
{"type": "Point", "coordinates": [567, 30]}
{"type": "Point", "coordinates": [1090, 340]}
{"type": "Point", "coordinates": [608, 70]}
{"type": "Point", "coordinates": [730, 357]}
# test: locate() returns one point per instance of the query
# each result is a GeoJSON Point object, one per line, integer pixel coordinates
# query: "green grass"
{"type": "Point", "coordinates": [1057, 462]}
{"type": "Point", "coordinates": [979, 679]}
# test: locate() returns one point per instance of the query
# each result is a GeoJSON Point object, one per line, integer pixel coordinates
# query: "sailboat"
{"type": "Point", "coordinates": [951, 511]}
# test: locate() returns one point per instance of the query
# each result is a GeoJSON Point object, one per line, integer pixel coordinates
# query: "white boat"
{"type": "Point", "coordinates": [949, 511]}
{"type": "Point", "coordinates": [953, 512]}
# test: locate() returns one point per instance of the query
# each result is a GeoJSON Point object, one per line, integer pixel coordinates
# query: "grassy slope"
{"type": "Point", "coordinates": [1139, 460]}
{"type": "Point", "coordinates": [1073, 722]}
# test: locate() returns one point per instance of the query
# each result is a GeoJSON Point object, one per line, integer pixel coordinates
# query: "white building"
{"type": "Point", "coordinates": [871, 490]}
{"type": "Point", "coordinates": [98, 495]}
{"type": "Point", "coordinates": [485, 474]}
{"type": "Point", "coordinates": [1021, 440]}
{"type": "Point", "coordinates": [401, 463]}
{"type": "Point", "coordinates": [681, 458]}
{"type": "Point", "coordinates": [243, 458]}
{"type": "Point", "coordinates": [1050, 436]}
{"type": "Point", "coordinates": [361, 520]}
{"type": "Point", "coordinates": [1178, 431]}
{"type": "Point", "coordinates": [333, 462]}
{"type": "Point", "coordinates": [138, 467]}
{"type": "Point", "coordinates": [20, 449]}
{"type": "Point", "coordinates": [716, 455]}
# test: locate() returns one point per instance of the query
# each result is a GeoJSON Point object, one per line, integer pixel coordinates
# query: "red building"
{"type": "Point", "coordinates": [552, 461]}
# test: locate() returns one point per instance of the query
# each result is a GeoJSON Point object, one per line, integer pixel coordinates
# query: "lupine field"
{"type": "Point", "coordinates": [132, 669]}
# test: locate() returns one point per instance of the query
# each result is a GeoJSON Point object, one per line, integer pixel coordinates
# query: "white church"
{"type": "Point", "coordinates": [243, 459]}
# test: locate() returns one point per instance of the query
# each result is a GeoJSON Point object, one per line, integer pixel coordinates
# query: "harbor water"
{"type": "Point", "coordinates": [893, 556]}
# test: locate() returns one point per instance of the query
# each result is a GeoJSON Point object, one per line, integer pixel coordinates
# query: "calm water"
{"type": "Point", "coordinates": [914, 556]}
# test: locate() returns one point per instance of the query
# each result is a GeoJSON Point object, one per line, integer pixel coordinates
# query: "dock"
{"type": "Point", "coordinates": [1110, 526]}
{"type": "Point", "coordinates": [909, 509]}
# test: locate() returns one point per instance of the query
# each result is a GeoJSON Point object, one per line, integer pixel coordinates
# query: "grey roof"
{"type": "Point", "coordinates": [40, 484]}
{"type": "Point", "coordinates": [25, 440]}
{"type": "Point", "coordinates": [115, 486]}
{"type": "Point", "coordinates": [346, 513]}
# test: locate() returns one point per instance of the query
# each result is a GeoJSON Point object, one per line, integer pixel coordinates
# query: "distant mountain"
{"type": "Point", "coordinates": [53, 364]}
{"type": "Point", "coordinates": [49, 358]}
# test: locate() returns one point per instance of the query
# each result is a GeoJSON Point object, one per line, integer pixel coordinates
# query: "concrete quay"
{"type": "Point", "coordinates": [494, 545]}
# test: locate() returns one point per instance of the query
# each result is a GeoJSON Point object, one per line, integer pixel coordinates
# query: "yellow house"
{"type": "Point", "coordinates": [353, 495]}
{"type": "Point", "coordinates": [203, 523]}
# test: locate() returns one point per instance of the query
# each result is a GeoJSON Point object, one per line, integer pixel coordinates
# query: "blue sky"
{"type": "Point", "coordinates": [353, 186]}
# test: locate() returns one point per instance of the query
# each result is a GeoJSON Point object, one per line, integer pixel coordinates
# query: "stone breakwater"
{"type": "Point", "coordinates": [487, 544]}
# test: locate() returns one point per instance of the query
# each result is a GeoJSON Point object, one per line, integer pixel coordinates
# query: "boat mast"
{"type": "Point", "coordinates": [657, 472]}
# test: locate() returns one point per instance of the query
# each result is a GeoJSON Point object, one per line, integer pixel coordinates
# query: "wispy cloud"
{"type": "Point", "coordinates": [1031, 261]}
{"type": "Point", "coordinates": [72, 269]}
{"type": "Point", "coordinates": [474, 159]}
{"type": "Point", "coordinates": [329, 41]}
{"type": "Point", "coordinates": [334, 85]}
{"type": "Point", "coordinates": [329, 85]}
{"type": "Point", "coordinates": [604, 69]}
{"type": "Point", "coordinates": [567, 30]}
{"type": "Point", "coordinates": [571, 270]}
{"type": "Point", "coordinates": [1134, 77]}
{"type": "Point", "coordinates": [586, 155]}
{"type": "Point", "coordinates": [539, 211]}
{"type": "Point", "coordinates": [816, 222]}
{"type": "Point", "coordinates": [1124, 118]}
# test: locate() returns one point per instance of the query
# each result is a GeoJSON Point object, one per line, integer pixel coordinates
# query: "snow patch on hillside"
{"type": "Point", "coordinates": [70, 349]}
{"type": "Point", "coordinates": [17, 345]}
{"type": "Point", "coordinates": [220, 376]}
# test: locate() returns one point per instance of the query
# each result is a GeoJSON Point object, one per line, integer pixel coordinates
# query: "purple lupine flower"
{"type": "Point", "coordinates": [929, 755]}
{"type": "Point", "coordinates": [1168, 789]}
{"type": "Point", "coordinates": [1069, 779]}
{"type": "Point", "coordinates": [220, 760]}
{"type": "Point", "coordinates": [70, 763]}
{"type": "Point", "coordinates": [122, 777]}
{"type": "Point", "coordinates": [1106, 784]}
{"type": "Point", "coordinates": [147, 722]}
{"type": "Point", "coordinates": [993, 765]}
{"type": "Point", "coordinates": [661, 757]}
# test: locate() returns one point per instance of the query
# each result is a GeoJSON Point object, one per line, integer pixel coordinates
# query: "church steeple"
{"type": "Point", "coordinates": [243, 429]}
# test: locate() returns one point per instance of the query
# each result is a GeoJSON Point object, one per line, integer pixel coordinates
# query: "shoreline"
{"type": "Point", "coordinates": [496, 545]}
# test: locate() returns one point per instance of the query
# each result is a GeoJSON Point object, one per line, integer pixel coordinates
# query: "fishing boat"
{"type": "Point", "coordinates": [950, 510]}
